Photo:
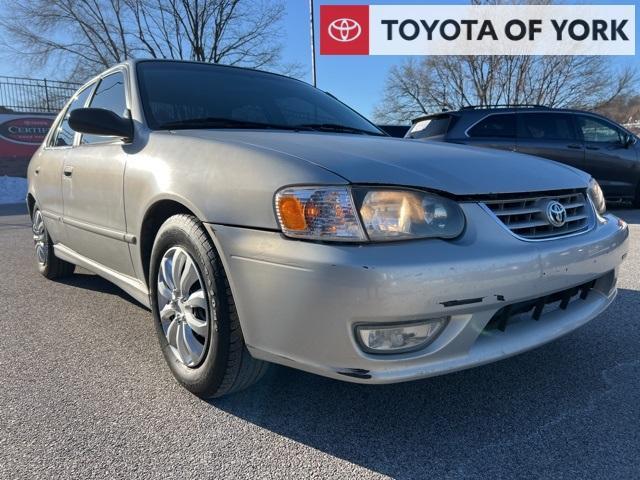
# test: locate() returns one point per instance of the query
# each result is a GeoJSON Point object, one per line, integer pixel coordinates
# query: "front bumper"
{"type": "Point", "coordinates": [298, 301]}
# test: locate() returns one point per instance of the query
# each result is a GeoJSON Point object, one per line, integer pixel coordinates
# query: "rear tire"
{"type": "Point", "coordinates": [48, 264]}
{"type": "Point", "coordinates": [195, 316]}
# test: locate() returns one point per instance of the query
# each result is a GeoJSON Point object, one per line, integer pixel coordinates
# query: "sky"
{"type": "Point", "coordinates": [356, 80]}
{"type": "Point", "coordinates": [359, 80]}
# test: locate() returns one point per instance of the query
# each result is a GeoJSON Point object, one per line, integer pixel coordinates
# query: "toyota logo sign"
{"type": "Point", "coordinates": [556, 214]}
{"type": "Point", "coordinates": [344, 30]}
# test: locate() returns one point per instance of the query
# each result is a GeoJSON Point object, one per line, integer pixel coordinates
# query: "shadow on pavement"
{"type": "Point", "coordinates": [517, 412]}
{"type": "Point", "coordinates": [95, 283]}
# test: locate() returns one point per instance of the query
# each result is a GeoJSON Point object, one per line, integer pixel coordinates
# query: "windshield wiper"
{"type": "Point", "coordinates": [336, 127]}
{"type": "Point", "coordinates": [221, 122]}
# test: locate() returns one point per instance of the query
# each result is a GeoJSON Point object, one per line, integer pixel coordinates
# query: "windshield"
{"type": "Point", "coordinates": [191, 95]}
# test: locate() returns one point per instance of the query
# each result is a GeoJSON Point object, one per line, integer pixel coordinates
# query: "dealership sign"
{"type": "Point", "coordinates": [21, 134]}
{"type": "Point", "coordinates": [30, 130]}
{"type": "Point", "coordinates": [477, 30]}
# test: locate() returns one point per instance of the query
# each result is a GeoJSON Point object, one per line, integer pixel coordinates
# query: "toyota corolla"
{"type": "Point", "coordinates": [263, 221]}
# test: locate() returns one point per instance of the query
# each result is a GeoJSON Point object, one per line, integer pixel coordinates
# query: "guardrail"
{"type": "Point", "coordinates": [20, 94]}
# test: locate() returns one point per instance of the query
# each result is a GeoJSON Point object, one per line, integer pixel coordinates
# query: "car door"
{"type": "Point", "coordinates": [551, 135]}
{"type": "Point", "coordinates": [93, 186]}
{"type": "Point", "coordinates": [48, 165]}
{"type": "Point", "coordinates": [496, 130]}
{"type": "Point", "coordinates": [608, 156]}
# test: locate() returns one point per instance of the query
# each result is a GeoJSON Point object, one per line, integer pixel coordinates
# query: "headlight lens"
{"type": "Point", "coordinates": [331, 214]}
{"type": "Point", "coordinates": [402, 214]}
{"type": "Point", "coordinates": [597, 197]}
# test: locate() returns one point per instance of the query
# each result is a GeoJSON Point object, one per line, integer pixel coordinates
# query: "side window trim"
{"type": "Point", "coordinates": [53, 132]}
{"type": "Point", "coordinates": [576, 129]}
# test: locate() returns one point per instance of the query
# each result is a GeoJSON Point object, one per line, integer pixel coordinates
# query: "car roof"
{"type": "Point", "coordinates": [133, 62]}
{"type": "Point", "coordinates": [482, 111]}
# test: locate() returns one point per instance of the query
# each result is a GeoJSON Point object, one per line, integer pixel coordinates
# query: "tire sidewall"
{"type": "Point", "coordinates": [210, 373]}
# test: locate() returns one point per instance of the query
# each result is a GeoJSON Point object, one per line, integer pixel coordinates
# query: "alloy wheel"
{"type": "Point", "coordinates": [182, 303]}
{"type": "Point", "coordinates": [40, 238]}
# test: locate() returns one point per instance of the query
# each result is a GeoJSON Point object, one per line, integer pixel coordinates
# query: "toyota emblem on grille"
{"type": "Point", "coordinates": [344, 30]}
{"type": "Point", "coordinates": [556, 214]}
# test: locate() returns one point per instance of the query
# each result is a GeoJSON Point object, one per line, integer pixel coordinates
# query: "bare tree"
{"type": "Point", "coordinates": [85, 36]}
{"type": "Point", "coordinates": [437, 83]}
{"type": "Point", "coordinates": [623, 109]}
{"type": "Point", "coordinates": [449, 82]}
{"type": "Point", "coordinates": [219, 31]}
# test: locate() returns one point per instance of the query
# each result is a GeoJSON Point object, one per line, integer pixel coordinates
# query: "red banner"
{"type": "Point", "coordinates": [20, 136]}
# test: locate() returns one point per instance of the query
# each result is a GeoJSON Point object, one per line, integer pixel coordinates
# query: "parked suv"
{"type": "Point", "coordinates": [583, 140]}
{"type": "Point", "coordinates": [261, 220]}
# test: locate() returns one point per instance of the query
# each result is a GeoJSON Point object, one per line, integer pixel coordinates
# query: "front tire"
{"type": "Point", "coordinates": [48, 264]}
{"type": "Point", "coordinates": [195, 316]}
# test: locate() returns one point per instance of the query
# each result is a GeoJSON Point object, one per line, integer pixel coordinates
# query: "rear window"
{"type": "Point", "coordinates": [546, 126]}
{"type": "Point", "coordinates": [430, 127]}
{"type": "Point", "coordinates": [495, 126]}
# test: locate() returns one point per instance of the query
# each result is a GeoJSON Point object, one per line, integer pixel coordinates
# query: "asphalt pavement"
{"type": "Point", "coordinates": [85, 393]}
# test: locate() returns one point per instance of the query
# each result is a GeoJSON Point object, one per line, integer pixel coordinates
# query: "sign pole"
{"type": "Point", "coordinates": [313, 45]}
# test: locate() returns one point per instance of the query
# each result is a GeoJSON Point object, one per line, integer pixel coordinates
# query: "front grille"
{"type": "Point", "coordinates": [526, 216]}
{"type": "Point", "coordinates": [535, 308]}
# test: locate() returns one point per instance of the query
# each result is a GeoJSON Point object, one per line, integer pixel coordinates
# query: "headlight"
{"type": "Point", "coordinates": [402, 214]}
{"type": "Point", "coordinates": [331, 213]}
{"type": "Point", "coordinates": [597, 197]}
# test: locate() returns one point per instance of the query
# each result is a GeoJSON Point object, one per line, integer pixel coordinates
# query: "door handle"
{"type": "Point", "coordinates": [593, 148]}
{"type": "Point", "coordinates": [68, 171]}
{"type": "Point", "coordinates": [574, 146]}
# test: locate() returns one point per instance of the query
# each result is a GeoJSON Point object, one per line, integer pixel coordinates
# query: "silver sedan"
{"type": "Point", "coordinates": [261, 220]}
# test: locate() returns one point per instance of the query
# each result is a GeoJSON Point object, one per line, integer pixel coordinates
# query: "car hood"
{"type": "Point", "coordinates": [457, 169]}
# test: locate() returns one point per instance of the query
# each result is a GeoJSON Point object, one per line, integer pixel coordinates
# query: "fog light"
{"type": "Point", "coordinates": [399, 337]}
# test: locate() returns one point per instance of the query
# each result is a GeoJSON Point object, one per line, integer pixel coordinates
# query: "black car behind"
{"type": "Point", "coordinates": [581, 139]}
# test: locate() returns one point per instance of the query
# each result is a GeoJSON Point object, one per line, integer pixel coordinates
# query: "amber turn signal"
{"type": "Point", "coordinates": [291, 213]}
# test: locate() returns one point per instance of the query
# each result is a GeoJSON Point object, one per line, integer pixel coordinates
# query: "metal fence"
{"type": "Point", "coordinates": [18, 94]}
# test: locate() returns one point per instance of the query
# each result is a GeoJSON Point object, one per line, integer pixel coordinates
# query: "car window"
{"type": "Point", "coordinates": [430, 127]}
{"type": "Point", "coordinates": [596, 130]}
{"type": "Point", "coordinates": [64, 135]}
{"type": "Point", "coordinates": [546, 126]}
{"type": "Point", "coordinates": [495, 126]}
{"type": "Point", "coordinates": [175, 92]}
{"type": "Point", "coordinates": [109, 95]}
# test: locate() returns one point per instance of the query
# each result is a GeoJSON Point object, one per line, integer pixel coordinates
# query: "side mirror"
{"type": "Point", "coordinates": [628, 141]}
{"type": "Point", "coordinates": [98, 121]}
